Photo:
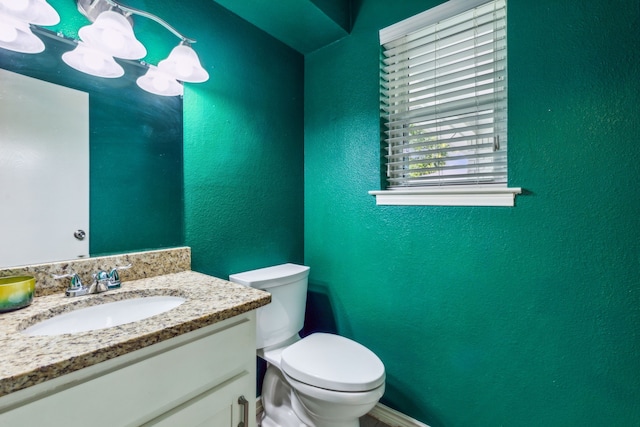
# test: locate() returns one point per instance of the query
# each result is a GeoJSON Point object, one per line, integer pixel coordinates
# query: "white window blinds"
{"type": "Point", "coordinates": [444, 97]}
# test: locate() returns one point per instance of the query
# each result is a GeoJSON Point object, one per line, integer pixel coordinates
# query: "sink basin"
{"type": "Point", "coordinates": [104, 316]}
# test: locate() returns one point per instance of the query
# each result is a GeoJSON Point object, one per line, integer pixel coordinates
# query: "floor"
{"type": "Point", "coordinates": [366, 421]}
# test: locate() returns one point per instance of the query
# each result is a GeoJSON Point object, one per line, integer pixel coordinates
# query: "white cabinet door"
{"type": "Point", "coordinates": [217, 407]}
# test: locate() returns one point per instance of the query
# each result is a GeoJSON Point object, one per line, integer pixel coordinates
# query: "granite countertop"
{"type": "Point", "coordinates": [29, 360]}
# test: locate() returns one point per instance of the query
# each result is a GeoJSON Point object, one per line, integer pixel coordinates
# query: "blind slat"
{"type": "Point", "coordinates": [465, 167]}
{"type": "Point", "coordinates": [480, 156]}
{"type": "Point", "coordinates": [451, 179]}
{"type": "Point", "coordinates": [480, 66]}
{"type": "Point", "coordinates": [434, 126]}
{"type": "Point", "coordinates": [443, 47]}
{"type": "Point", "coordinates": [454, 107]}
{"type": "Point", "coordinates": [447, 27]}
{"type": "Point", "coordinates": [427, 93]}
{"type": "Point", "coordinates": [407, 151]}
{"type": "Point", "coordinates": [476, 177]}
{"type": "Point", "coordinates": [443, 67]}
{"type": "Point", "coordinates": [444, 135]}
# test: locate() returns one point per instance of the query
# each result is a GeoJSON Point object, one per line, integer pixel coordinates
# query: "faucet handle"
{"type": "Point", "coordinates": [74, 284]}
{"type": "Point", "coordinates": [75, 288]}
{"type": "Point", "coordinates": [114, 271]}
{"type": "Point", "coordinates": [100, 282]}
{"type": "Point", "coordinates": [114, 277]}
{"type": "Point", "coordinates": [100, 275]}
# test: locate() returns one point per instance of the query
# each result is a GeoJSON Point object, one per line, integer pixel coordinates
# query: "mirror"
{"type": "Point", "coordinates": [135, 152]}
{"type": "Point", "coordinates": [44, 157]}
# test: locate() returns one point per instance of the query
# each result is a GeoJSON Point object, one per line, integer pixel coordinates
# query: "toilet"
{"type": "Point", "coordinates": [321, 380]}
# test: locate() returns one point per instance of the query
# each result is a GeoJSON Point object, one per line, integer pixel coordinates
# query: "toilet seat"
{"type": "Point", "coordinates": [333, 362]}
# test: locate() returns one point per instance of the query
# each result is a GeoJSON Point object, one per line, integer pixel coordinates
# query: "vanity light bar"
{"type": "Point", "coordinates": [110, 35]}
{"type": "Point", "coordinates": [151, 16]}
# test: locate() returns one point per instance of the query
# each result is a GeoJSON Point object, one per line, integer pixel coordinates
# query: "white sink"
{"type": "Point", "coordinates": [104, 316]}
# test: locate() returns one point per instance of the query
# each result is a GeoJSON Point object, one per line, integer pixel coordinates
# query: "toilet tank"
{"type": "Point", "coordinates": [284, 317]}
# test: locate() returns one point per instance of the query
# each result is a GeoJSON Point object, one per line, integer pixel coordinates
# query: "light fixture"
{"type": "Point", "coordinates": [159, 83]}
{"type": "Point", "coordinates": [112, 34]}
{"type": "Point", "coordinates": [92, 61]}
{"type": "Point", "coordinates": [109, 36]}
{"type": "Point", "coordinates": [37, 12]}
{"type": "Point", "coordinates": [16, 35]}
{"type": "Point", "coordinates": [15, 17]}
{"type": "Point", "coordinates": [184, 65]}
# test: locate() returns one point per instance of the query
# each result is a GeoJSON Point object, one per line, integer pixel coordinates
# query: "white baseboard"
{"type": "Point", "coordinates": [393, 418]}
{"type": "Point", "coordinates": [380, 412]}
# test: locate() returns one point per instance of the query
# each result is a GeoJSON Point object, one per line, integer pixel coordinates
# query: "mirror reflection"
{"type": "Point", "coordinates": [44, 157]}
{"type": "Point", "coordinates": [135, 177]}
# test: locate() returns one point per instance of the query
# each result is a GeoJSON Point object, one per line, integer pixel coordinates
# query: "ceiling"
{"type": "Point", "coordinates": [304, 25]}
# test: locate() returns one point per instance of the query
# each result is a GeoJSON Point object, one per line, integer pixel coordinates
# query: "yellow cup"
{"type": "Point", "coordinates": [16, 292]}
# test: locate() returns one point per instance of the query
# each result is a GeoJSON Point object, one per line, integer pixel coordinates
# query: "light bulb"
{"type": "Point", "coordinates": [184, 69]}
{"type": "Point", "coordinates": [160, 84]}
{"type": "Point", "coordinates": [113, 39]}
{"type": "Point", "coordinates": [93, 60]}
{"type": "Point", "coordinates": [17, 5]}
{"type": "Point", "coordinates": [8, 33]}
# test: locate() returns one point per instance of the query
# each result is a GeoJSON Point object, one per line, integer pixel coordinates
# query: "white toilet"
{"type": "Point", "coordinates": [322, 380]}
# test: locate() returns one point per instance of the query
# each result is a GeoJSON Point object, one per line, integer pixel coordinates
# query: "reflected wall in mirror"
{"type": "Point", "coordinates": [135, 152]}
{"type": "Point", "coordinates": [44, 171]}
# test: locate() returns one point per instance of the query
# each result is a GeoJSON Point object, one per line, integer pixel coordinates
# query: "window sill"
{"type": "Point", "coordinates": [448, 196]}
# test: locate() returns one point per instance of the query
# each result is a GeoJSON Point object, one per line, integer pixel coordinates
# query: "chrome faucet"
{"type": "Point", "coordinates": [113, 278]}
{"type": "Point", "coordinates": [102, 282]}
{"type": "Point", "coordinates": [75, 288]}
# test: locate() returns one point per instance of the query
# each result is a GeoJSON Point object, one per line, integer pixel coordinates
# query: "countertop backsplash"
{"type": "Point", "coordinates": [143, 265]}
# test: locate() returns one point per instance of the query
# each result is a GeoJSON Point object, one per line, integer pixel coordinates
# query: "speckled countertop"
{"type": "Point", "coordinates": [29, 360]}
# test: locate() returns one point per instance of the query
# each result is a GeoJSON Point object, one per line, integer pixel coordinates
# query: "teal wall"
{"type": "Point", "coordinates": [524, 316]}
{"type": "Point", "coordinates": [243, 146]}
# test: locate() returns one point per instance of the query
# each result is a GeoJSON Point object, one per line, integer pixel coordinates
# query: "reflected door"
{"type": "Point", "coordinates": [44, 171]}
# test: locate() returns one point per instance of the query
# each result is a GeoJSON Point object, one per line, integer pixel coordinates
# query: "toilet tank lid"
{"type": "Point", "coordinates": [333, 362]}
{"type": "Point", "coordinates": [268, 277]}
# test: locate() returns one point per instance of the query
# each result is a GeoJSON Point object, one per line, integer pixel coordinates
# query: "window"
{"type": "Point", "coordinates": [443, 101]}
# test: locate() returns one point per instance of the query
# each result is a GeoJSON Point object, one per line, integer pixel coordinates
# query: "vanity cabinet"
{"type": "Point", "coordinates": [195, 379]}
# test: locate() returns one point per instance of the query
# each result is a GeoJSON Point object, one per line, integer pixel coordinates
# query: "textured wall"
{"type": "Point", "coordinates": [525, 316]}
{"type": "Point", "coordinates": [243, 146]}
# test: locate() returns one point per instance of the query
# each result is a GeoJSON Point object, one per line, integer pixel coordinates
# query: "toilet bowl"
{"type": "Point", "coordinates": [322, 380]}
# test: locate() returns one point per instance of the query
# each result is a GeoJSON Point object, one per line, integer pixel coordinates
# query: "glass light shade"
{"type": "Point", "coordinates": [92, 61]}
{"type": "Point", "coordinates": [37, 12]}
{"type": "Point", "coordinates": [184, 65]}
{"type": "Point", "coordinates": [16, 35]}
{"type": "Point", "coordinates": [112, 34]}
{"type": "Point", "coordinates": [159, 83]}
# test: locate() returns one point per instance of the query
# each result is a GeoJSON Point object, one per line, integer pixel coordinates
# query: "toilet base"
{"type": "Point", "coordinates": [276, 401]}
{"type": "Point", "coordinates": [268, 422]}
{"type": "Point", "coordinates": [282, 407]}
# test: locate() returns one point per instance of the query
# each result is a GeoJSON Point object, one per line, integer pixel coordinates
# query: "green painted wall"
{"type": "Point", "coordinates": [524, 316]}
{"type": "Point", "coordinates": [243, 146]}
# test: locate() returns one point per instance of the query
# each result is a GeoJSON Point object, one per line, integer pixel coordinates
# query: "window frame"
{"type": "Point", "coordinates": [472, 194]}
